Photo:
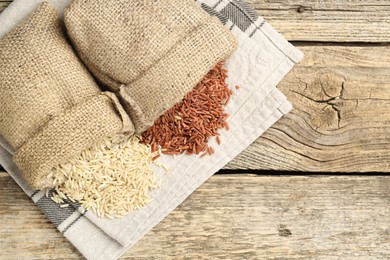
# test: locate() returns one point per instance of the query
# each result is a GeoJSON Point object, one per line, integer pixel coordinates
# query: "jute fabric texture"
{"type": "Point", "coordinates": [151, 53]}
{"type": "Point", "coordinates": [50, 107]}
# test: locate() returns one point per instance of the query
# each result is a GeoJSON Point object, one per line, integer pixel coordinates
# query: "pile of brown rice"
{"type": "Point", "coordinates": [187, 127]}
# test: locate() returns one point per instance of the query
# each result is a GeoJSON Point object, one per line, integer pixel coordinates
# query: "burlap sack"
{"type": "Point", "coordinates": [150, 52]}
{"type": "Point", "coordinates": [50, 107]}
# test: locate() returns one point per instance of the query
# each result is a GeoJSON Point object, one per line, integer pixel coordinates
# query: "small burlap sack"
{"type": "Point", "coordinates": [50, 107]}
{"type": "Point", "coordinates": [151, 53]}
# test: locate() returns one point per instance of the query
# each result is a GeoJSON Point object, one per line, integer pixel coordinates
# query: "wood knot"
{"type": "Point", "coordinates": [301, 9]}
{"type": "Point", "coordinates": [284, 231]}
{"type": "Point", "coordinates": [326, 90]}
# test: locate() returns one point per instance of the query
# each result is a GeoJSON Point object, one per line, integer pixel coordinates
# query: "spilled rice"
{"type": "Point", "coordinates": [187, 127]}
{"type": "Point", "coordinates": [111, 178]}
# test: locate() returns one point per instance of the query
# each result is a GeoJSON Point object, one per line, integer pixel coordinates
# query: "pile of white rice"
{"type": "Point", "coordinates": [111, 178]}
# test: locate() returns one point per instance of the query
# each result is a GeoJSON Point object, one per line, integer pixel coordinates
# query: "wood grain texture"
{"type": "Point", "coordinates": [340, 123]}
{"type": "Point", "coordinates": [340, 120]}
{"type": "Point", "coordinates": [328, 20]}
{"type": "Point", "coordinates": [324, 20]}
{"type": "Point", "coordinates": [234, 217]}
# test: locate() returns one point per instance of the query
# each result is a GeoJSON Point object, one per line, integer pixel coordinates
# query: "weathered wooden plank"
{"type": "Point", "coordinates": [340, 121]}
{"type": "Point", "coordinates": [324, 20]}
{"type": "Point", "coordinates": [234, 217]}
{"type": "Point", "coordinates": [328, 20]}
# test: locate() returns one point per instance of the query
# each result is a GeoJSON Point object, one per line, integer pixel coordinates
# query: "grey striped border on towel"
{"type": "Point", "coordinates": [240, 13]}
{"type": "Point", "coordinates": [62, 218]}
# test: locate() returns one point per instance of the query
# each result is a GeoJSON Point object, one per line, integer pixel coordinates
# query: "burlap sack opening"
{"type": "Point", "coordinates": [152, 94]}
{"type": "Point", "coordinates": [50, 107]}
{"type": "Point", "coordinates": [67, 135]}
{"type": "Point", "coordinates": [150, 52]}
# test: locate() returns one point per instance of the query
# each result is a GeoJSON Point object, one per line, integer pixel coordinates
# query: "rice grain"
{"type": "Point", "coordinates": [111, 179]}
{"type": "Point", "coordinates": [187, 126]}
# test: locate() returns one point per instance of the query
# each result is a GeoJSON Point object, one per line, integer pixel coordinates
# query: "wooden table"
{"type": "Point", "coordinates": [340, 124]}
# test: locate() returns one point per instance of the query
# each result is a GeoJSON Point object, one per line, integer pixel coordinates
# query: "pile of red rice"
{"type": "Point", "coordinates": [187, 127]}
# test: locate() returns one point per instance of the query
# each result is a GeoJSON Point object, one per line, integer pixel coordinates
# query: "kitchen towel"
{"type": "Point", "coordinates": [251, 58]}
{"type": "Point", "coordinates": [276, 60]}
{"type": "Point", "coordinates": [244, 67]}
